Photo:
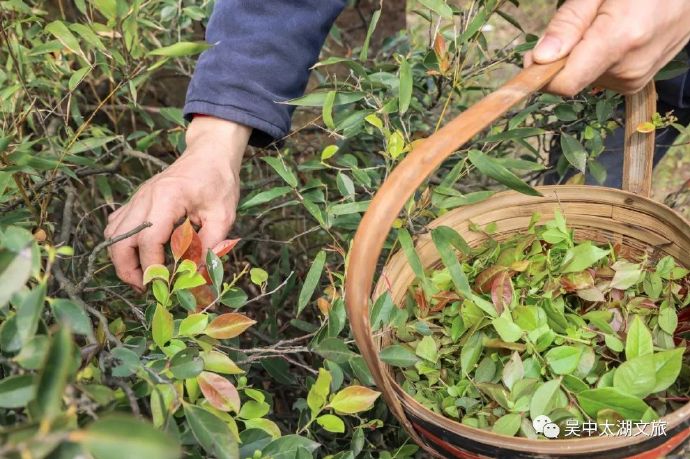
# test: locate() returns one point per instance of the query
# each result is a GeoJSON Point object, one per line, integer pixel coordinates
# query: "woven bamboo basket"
{"type": "Point", "coordinates": [627, 217]}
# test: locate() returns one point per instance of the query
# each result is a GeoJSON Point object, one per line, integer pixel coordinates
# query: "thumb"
{"type": "Point", "coordinates": [566, 29]}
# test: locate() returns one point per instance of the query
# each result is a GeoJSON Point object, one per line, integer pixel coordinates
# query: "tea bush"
{"type": "Point", "coordinates": [243, 352]}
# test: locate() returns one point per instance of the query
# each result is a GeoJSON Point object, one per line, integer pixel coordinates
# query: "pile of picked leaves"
{"type": "Point", "coordinates": [541, 324]}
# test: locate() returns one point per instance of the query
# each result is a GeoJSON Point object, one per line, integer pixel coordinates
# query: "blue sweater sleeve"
{"type": "Point", "coordinates": [261, 55]}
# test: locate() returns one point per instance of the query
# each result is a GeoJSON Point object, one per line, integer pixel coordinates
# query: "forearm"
{"type": "Point", "coordinates": [261, 56]}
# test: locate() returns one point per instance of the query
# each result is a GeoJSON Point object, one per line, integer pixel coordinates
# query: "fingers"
{"type": "Point", "coordinates": [133, 255]}
{"type": "Point", "coordinates": [600, 48]}
{"type": "Point", "coordinates": [152, 240]}
{"type": "Point", "coordinates": [565, 30]}
{"type": "Point", "coordinates": [126, 261]}
{"type": "Point", "coordinates": [213, 231]}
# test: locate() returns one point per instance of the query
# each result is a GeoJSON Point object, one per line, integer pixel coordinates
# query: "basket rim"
{"type": "Point", "coordinates": [556, 446]}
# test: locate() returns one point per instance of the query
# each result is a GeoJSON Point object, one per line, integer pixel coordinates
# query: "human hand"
{"type": "Point", "coordinates": [203, 184]}
{"type": "Point", "coordinates": [616, 44]}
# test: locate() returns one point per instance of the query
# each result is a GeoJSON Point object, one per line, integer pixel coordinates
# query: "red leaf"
{"type": "Point", "coordinates": [228, 325]}
{"type": "Point", "coordinates": [204, 296]}
{"type": "Point", "coordinates": [502, 291]}
{"type": "Point", "coordinates": [223, 247]}
{"type": "Point", "coordinates": [577, 281]}
{"type": "Point", "coordinates": [193, 251]}
{"type": "Point", "coordinates": [485, 279]}
{"type": "Point", "coordinates": [219, 392]}
{"type": "Point", "coordinates": [617, 295]}
{"type": "Point", "coordinates": [181, 239]}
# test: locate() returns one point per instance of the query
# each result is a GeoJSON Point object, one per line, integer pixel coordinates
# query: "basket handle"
{"type": "Point", "coordinates": [425, 158]}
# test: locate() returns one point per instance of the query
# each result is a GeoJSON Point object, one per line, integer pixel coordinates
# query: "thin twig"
{"type": "Point", "coordinates": [131, 397]}
{"type": "Point", "coordinates": [282, 284]}
{"type": "Point", "coordinates": [146, 157]}
{"type": "Point", "coordinates": [91, 263]}
{"type": "Point", "coordinates": [67, 212]}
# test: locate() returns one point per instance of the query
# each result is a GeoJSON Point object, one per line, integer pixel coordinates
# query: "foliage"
{"type": "Point", "coordinates": [88, 111]}
{"type": "Point", "coordinates": [542, 325]}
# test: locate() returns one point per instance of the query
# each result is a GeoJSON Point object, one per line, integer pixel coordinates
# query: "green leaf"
{"type": "Point", "coordinates": [32, 354]}
{"type": "Point", "coordinates": [513, 134]}
{"type": "Point", "coordinates": [594, 400]}
{"type": "Point", "coordinates": [183, 48]}
{"type": "Point", "coordinates": [252, 409]}
{"type": "Point", "coordinates": [64, 35]}
{"type": "Point", "coordinates": [264, 197]}
{"type": "Point", "coordinates": [91, 143]}
{"type": "Point", "coordinates": [193, 324]}
{"type": "Point", "coordinates": [407, 245]}
{"type": "Point", "coordinates": [258, 276]}
{"type": "Point", "coordinates": [15, 275]}
{"type": "Point", "coordinates": [156, 272]}
{"type": "Point", "coordinates": [129, 362]}
{"type": "Point", "coordinates": [354, 399]}
{"type": "Point", "coordinates": [613, 343]}
{"type": "Point", "coordinates": [398, 355]}
{"type": "Point", "coordinates": [507, 424]}
{"type": "Point", "coordinates": [652, 285]}
{"type": "Point", "coordinates": [318, 99]}
{"type": "Point", "coordinates": [311, 281]}
{"type": "Point", "coordinates": [427, 349]}
{"type": "Point", "coordinates": [331, 423]}
{"type": "Point", "coordinates": [627, 275]}
{"type": "Point", "coordinates": [283, 170]}
{"type": "Point", "coordinates": [395, 144]}
{"type": "Point", "coordinates": [442, 239]}
{"type": "Point", "coordinates": [508, 330]}
{"type": "Point", "coordinates": [667, 365]}
{"type": "Point", "coordinates": [405, 88]}
{"type": "Point", "coordinates": [211, 432]}
{"type": "Point", "coordinates": [329, 152]}
{"type": "Point", "coordinates": [72, 315]}
{"type": "Point", "coordinates": [219, 362]}
{"type": "Point", "coordinates": [318, 393]}
{"type": "Point", "coordinates": [214, 266]}
{"type": "Point", "coordinates": [363, 54]}
{"type": "Point", "coordinates": [118, 436]}
{"type": "Point", "coordinates": [581, 257]}
{"type": "Point", "coordinates": [470, 353]}
{"type": "Point", "coordinates": [186, 364]}
{"type": "Point", "coordinates": [56, 373]}
{"type": "Point", "coordinates": [17, 391]}
{"type": "Point", "coordinates": [563, 359]}
{"type": "Point", "coordinates": [76, 78]}
{"type": "Point", "coordinates": [439, 7]}
{"type": "Point", "coordinates": [234, 298]}
{"type": "Point", "coordinates": [639, 340]}
{"type": "Point", "coordinates": [161, 326]}
{"type": "Point", "coordinates": [636, 376]}
{"type": "Point", "coordinates": [29, 312]}
{"type": "Point", "coordinates": [334, 349]}
{"type": "Point", "coordinates": [513, 371]}
{"type": "Point", "coordinates": [574, 152]}
{"type": "Point", "coordinates": [668, 320]}
{"type": "Point", "coordinates": [188, 280]}
{"type": "Point", "coordinates": [286, 447]}
{"type": "Point", "coordinates": [544, 398]}
{"type": "Point", "coordinates": [327, 111]}
{"type": "Point", "coordinates": [492, 168]}
{"type": "Point", "coordinates": [361, 371]}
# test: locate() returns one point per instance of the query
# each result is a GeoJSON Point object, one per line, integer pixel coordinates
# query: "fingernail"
{"type": "Point", "coordinates": [548, 48]}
